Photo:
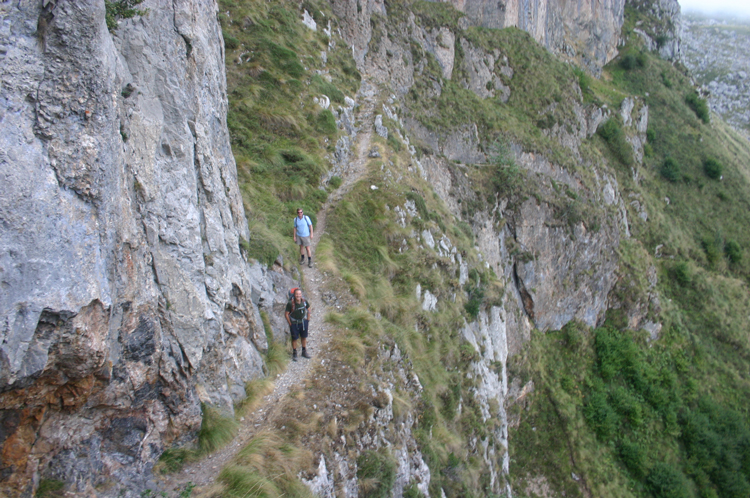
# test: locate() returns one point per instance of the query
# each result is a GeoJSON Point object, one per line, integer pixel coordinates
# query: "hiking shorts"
{"type": "Point", "coordinates": [303, 241]}
{"type": "Point", "coordinates": [299, 330]}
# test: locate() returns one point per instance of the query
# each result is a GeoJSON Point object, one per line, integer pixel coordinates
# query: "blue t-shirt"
{"type": "Point", "coordinates": [302, 225]}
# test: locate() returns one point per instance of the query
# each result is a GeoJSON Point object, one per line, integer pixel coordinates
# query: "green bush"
{"type": "Point", "coordinates": [419, 203]}
{"type": "Point", "coordinates": [733, 251]}
{"type": "Point", "coordinates": [394, 142]}
{"type": "Point", "coordinates": [120, 9]}
{"type": "Point", "coordinates": [633, 61]}
{"type": "Point", "coordinates": [699, 106]}
{"type": "Point", "coordinates": [230, 42]}
{"type": "Point", "coordinates": [681, 274]}
{"type": "Point", "coordinates": [632, 455]}
{"type": "Point", "coordinates": [711, 248]}
{"type": "Point", "coordinates": [664, 481]}
{"type": "Point", "coordinates": [600, 415]}
{"type": "Point", "coordinates": [328, 89]}
{"type": "Point", "coordinates": [326, 123]}
{"type": "Point", "coordinates": [475, 301]}
{"type": "Point", "coordinates": [717, 442]}
{"type": "Point", "coordinates": [376, 471]}
{"type": "Point", "coordinates": [712, 168]}
{"type": "Point", "coordinates": [612, 133]}
{"type": "Point", "coordinates": [335, 182]}
{"type": "Point", "coordinates": [670, 170]}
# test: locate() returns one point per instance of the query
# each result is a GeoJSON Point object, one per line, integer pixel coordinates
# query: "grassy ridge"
{"type": "Point", "coordinates": [280, 137]}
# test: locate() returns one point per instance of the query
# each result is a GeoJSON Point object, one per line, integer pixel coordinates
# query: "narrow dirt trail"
{"type": "Point", "coordinates": [203, 474]}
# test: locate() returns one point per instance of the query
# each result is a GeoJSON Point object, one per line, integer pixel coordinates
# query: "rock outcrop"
{"type": "Point", "coordinates": [126, 298]}
{"type": "Point", "coordinates": [663, 33]}
{"type": "Point", "coordinates": [586, 33]}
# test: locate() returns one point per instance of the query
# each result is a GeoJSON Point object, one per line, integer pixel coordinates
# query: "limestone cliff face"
{"type": "Point", "coordinates": [585, 32]}
{"type": "Point", "coordinates": [126, 299]}
{"type": "Point", "coordinates": [662, 33]}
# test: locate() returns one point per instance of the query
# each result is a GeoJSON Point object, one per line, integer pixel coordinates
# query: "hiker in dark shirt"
{"type": "Point", "coordinates": [298, 317]}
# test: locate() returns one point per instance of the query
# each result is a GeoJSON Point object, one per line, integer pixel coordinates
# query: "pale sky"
{"type": "Point", "coordinates": [738, 7]}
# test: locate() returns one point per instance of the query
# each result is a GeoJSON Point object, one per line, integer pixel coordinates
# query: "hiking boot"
{"type": "Point", "coordinates": [302, 259]}
{"type": "Point", "coordinates": [294, 354]}
{"type": "Point", "coordinates": [304, 354]}
{"type": "Point", "coordinates": [309, 262]}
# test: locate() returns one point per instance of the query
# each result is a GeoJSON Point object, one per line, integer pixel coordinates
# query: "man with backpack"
{"type": "Point", "coordinates": [298, 317]}
{"type": "Point", "coordinates": [303, 234]}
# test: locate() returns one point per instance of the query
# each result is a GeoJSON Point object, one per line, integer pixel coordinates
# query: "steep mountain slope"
{"type": "Point", "coordinates": [508, 196]}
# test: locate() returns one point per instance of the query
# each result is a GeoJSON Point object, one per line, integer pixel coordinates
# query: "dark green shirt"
{"type": "Point", "coordinates": [297, 312]}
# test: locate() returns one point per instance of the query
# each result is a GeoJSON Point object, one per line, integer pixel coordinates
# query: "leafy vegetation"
{"type": "Point", "coordinates": [120, 9]}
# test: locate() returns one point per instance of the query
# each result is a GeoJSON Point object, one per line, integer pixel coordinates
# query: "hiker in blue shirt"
{"type": "Point", "coordinates": [303, 234]}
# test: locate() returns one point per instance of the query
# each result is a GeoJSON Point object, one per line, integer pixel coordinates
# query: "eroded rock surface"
{"type": "Point", "coordinates": [126, 299]}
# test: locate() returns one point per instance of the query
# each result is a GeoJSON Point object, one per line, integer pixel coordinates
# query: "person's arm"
{"type": "Point", "coordinates": [286, 315]}
{"type": "Point", "coordinates": [311, 228]}
{"type": "Point", "coordinates": [294, 230]}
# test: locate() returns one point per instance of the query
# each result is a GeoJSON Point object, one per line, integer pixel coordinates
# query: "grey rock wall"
{"type": "Point", "coordinates": [586, 32]}
{"type": "Point", "coordinates": [126, 299]}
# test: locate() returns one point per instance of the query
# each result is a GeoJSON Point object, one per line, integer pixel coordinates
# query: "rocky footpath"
{"type": "Point", "coordinates": [126, 298]}
{"type": "Point", "coordinates": [717, 52]}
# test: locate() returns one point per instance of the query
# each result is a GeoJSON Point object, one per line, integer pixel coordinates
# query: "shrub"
{"type": "Point", "coordinates": [335, 181]}
{"type": "Point", "coordinates": [664, 481]}
{"type": "Point", "coordinates": [733, 251]}
{"type": "Point", "coordinates": [699, 106]}
{"type": "Point", "coordinates": [711, 247]}
{"type": "Point", "coordinates": [631, 454]}
{"type": "Point", "coordinates": [681, 274]}
{"type": "Point", "coordinates": [394, 142]}
{"type": "Point", "coordinates": [633, 61]}
{"type": "Point", "coordinates": [329, 89]}
{"type": "Point", "coordinates": [670, 170]}
{"type": "Point", "coordinates": [230, 42]}
{"type": "Point", "coordinates": [475, 301]}
{"type": "Point", "coordinates": [419, 203]}
{"type": "Point", "coordinates": [120, 9]}
{"type": "Point", "coordinates": [376, 471]}
{"type": "Point", "coordinates": [600, 416]}
{"type": "Point", "coordinates": [326, 123]}
{"type": "Point", "coordinates": [712, 168]}
{"type": "Point", "coordinates": [612, 133]}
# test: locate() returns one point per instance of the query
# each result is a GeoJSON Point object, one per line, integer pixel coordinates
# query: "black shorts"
{"type": "Point", "coordinates": [299, 330]}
